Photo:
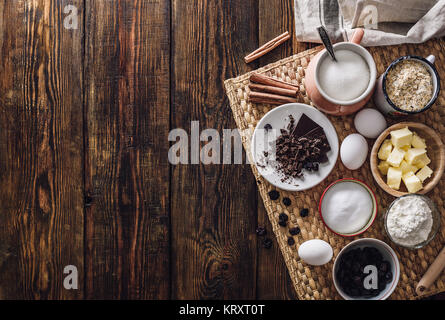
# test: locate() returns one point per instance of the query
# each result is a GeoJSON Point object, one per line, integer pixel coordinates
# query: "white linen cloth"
{"type": "Point", "coordinates": [386, 22]}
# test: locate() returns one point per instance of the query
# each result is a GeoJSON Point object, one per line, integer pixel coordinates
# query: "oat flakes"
{"type": "Point", "coordinates": [409, 85]}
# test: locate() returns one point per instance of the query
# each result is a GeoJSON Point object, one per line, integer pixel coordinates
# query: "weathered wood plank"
{"type": "Point", "coordinates": [276, 17]}
{"type": "Point", "coordinates": [273, 281]}
{"type": "Point", "coordinates": [41, 195]}
{"type": "Point", "coordinates": [127, 173]}
{"type": "Point", "coordinates": [213, 207]}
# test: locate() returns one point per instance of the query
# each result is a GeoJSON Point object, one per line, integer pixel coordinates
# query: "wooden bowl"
{"type": "Point", "coordinates": [435, 151]}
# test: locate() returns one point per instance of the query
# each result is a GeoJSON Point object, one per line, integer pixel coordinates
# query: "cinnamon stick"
{"type": "Point", "coordinates": [269, 98]}
{"type": "Point", "coordinates": [271, 89]}
{"type": "Point", "coordinates": [432, 273]}
{"type": "Point", "coordinates": [265, 48]}
{"type": "Point", "coordinates": [262, 79]}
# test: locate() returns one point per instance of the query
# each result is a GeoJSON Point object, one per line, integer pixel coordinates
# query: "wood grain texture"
{"type": "Point", "coordinates": [41, 212]}
{"type": "Point", "coordinates": [84, 120]}
{"type": "Point", "coordinates": [273, 281]}
{"type": "Point", "coordinates": [126, 165]}
{"type": "Point", "coordinates": [213, 207]}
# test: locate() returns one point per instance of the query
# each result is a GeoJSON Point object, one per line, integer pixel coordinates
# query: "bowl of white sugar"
{"type": "Point", "coordinates": [344, 85]}
{"type": "Point", "coordinates": [348, 207]}
{"type": "Point", "coordinates": [412, 221]}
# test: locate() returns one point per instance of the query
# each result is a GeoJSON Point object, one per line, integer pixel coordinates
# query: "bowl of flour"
{"type": "Point", "coordinates": [412, 221]}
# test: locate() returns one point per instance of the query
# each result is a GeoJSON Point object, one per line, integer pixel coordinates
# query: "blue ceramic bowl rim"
{"type": "Point", "coordinates": [433, 98]}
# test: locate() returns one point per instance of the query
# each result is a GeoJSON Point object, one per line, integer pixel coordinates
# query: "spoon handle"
{"type": "Point", "coordinates": [326, 41]}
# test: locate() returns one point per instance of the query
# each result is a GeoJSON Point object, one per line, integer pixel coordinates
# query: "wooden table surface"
{"type": "Point", "coordinates": [84, 118]}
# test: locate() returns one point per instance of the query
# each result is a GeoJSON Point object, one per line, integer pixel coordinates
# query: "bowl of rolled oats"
{"type": "Point", "coordinates": [409, 85]}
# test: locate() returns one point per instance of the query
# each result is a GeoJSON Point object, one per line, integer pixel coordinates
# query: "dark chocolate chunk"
{"type": "Point", "coordinates": [274, 195]}
{"type": "Point", "coordinates": [287, 202]}
{"type": "Point", "coordinates": [282, 223]}
{"type": "Point", "coordinates": [304, 125]}
{"type": "Point", "coordinates": [267, 127]}
{"type": "Point", "coordinates": [304, 212]}
{"type": "Point", "coordinates": [261, 231]}
{"type": "Point", "coordinates": [294, 231]}
{"type": "Point", "coordinates": [290, 241]}
{"type": "Point", "coordinates": [267, 243]}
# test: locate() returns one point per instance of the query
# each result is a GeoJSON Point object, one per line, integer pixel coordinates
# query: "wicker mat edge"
{"type": "Point", "coordinates": [245, 137]}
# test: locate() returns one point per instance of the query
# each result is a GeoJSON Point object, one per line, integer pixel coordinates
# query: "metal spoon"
{"type": "Point", "coordinates": [326, 41]}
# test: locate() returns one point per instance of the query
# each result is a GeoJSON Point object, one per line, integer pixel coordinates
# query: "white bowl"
{"type": "Point", "coordinates": [388, 255]}
{"type": "Point", "coordinates": [278, 118]}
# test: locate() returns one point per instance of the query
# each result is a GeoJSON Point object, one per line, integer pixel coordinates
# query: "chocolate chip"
{"type": "Point", "coordinates": [268, 127]}
{"type": "Point", "coordinates": [304, 212]}
{"type": "Point", "coordinates": [261, 231]}
{"type": "Point", "coordinates": [88, 200]}
{"type": "Point", "coordinates": [282, 223]}
{"type": "Point", "coordinates": [287, 202]}
{"type": "Point", "coordinates": [290, 241]}
{"type": "Point", "coordinates": [283, 217]}
{"type": "Point", "coordinates": [388, 276]}
{"type": "Point", "coordinates": [294, 231]}
{"type": "Point", "coordinates": [267, 243]}
{"type": "Point", "coordinates": [274, 195]}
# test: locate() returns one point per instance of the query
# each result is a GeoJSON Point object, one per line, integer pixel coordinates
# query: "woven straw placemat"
{"type": "Point", "coordinates": [315, 282]}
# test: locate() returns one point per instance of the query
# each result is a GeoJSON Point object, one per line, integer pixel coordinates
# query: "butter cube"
{"type": "Point", "coordinates": [401, 137]}
{"type": "Point", "coordinates": [395, 157]}
{"type": "Point", "coordinates": [413, 184]}
{"type": "Point", "coordinates": [383, 167]}
{"type": "Point", "coordinates": [405, 148]}
{"type": "Point", "coordinates": [418, 142]}
{"type": "Point", "coordinates": [394, 177]}
{"type": "Point", "coordinates": [385, 150]}
{"type": "Point", "coordinates": [422, 161]}
{"type": "Point", "coordinates": [424, 173]}
{"type": "Point", "coordinates": [414, 155]}
{"type": "Point", "coordinates": [407, 175]}
{"type": "Point", "coordinates": [406, 167]}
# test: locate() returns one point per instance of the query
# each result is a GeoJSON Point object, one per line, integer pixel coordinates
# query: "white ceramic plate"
{"type": "Point", "coordinates": [263, 140]}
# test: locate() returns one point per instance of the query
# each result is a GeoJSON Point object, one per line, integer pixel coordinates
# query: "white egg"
{"type": "Point", "coordinates": [315, 252]}
{"type": "Point", "coordinates": [370, 123]}
{"type": "Point", "coordinates": [353, 151]}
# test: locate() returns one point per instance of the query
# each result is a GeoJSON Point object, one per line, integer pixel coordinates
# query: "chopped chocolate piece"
{"type": "Point", "coordinates": [267, 243]}
{"type": "Point", "coordinates": [282, 223]}
{"type": "Point", "coordinates": [294, 231]}
{"type": "Point", "coordinates": [266, 154]}
{"type": "Point", "coordinates": [267, 127]}
{"type": "Point", "coordinates": [300, 147]}
{"type": "Point", "coordinates": [274, 195]}
{"type": "Point", "coordinates": [304, 212]}
{"type": "Point", "coordinates": [290, 241]}
{"type": "Point", "coordinates": [261, 231]}
{"type": "Point", "coordinates": [287, 202]}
